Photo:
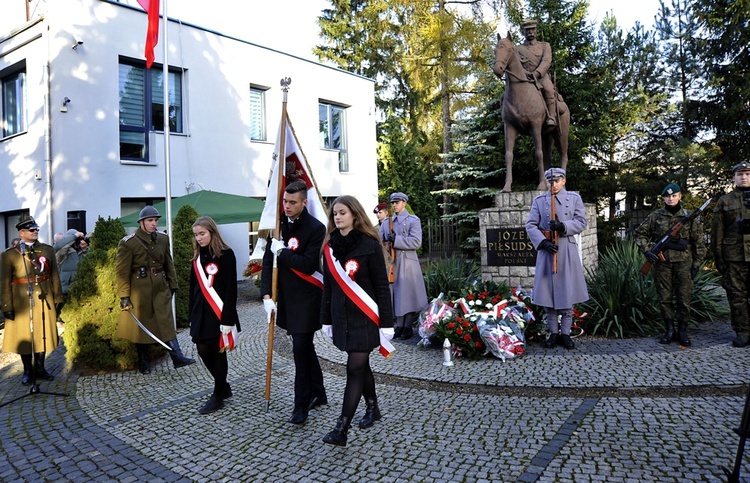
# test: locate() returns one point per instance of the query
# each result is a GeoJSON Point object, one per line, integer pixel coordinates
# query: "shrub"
{"type": "Point", "coordinates": [182, 241]}
{"type": "Point", "coordinates": [451, 276]}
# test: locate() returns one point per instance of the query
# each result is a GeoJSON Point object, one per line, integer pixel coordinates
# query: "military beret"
{"type": "Point", "coordinates": [670, 189]}
{"type": "Point", "coordinates": [380, 207]}
{"type": "Point", "coordinates": [743, 166]}
{"type": "Point", "coordinates": [26, 222]}
{"type": "Point", "coordinates": [554, 173]}
{"type": "Point", "coordinates": [398, 197]}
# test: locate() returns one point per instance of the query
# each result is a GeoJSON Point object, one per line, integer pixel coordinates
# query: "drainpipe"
{"type": "Point", "coordinates": [48, 144]}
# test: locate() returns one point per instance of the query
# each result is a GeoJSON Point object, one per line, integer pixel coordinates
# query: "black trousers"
{"type": "Point", "coordinates": [308, 377]}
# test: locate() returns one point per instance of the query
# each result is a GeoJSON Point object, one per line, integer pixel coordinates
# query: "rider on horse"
{"type": "Point", "coordinates": [536, 58]}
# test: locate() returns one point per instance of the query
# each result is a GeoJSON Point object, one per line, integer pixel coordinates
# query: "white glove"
{"type": "Point", "coordinates": [225, 329]}
{"type": "Point", "coordinates": [387, 333]}
{"type": "Point", "coordinates": [277, 245]}
{"type": "Point", "coordinates": [269, 307]}
{"type": "Point", "coordinates": [328, 332]}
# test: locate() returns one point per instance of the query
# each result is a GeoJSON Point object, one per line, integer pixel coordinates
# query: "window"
{"type": "Point", "coordinates": [332, 128]}
{"type": "Point", "coordinates": [257, 113]}
{"type": "Point", "coordinates": [13, 108]}
{"type": "Point", "coordinates": [142, 107]}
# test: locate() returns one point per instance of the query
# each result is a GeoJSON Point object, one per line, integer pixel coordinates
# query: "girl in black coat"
{"type": "Point", "coordinates": [354, 244]}
{"type": "Point", "coordinates": [213, 282]}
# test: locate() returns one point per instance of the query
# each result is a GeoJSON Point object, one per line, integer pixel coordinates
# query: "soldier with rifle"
{"type": "Point", "coordinates": [678, 254]}
{"type": "Point", "coordinates": [555, 219]}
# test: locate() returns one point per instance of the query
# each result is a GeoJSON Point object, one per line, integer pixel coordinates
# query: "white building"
{"type": "Point", "coordinates": [82, 127]}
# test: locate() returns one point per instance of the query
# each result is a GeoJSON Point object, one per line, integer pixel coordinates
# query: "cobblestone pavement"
{"type": "Point", "coordinates": [614, 411]}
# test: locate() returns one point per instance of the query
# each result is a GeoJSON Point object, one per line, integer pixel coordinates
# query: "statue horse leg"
{"type": "Point", "coordinates": [510, 143]}
{"type": "Point", "coordinates": [536, 135]}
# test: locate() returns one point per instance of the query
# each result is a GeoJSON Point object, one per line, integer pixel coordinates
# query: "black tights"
{"type": "Point", "coordinates": [359, 382]}
{"type": "Point", "coordinates": [216, 363]}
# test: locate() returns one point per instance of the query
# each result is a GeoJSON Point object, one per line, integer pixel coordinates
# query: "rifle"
{"type": "Point", "coordinates": [673, 232]}
{"type": "Point", "coordinates": [392, 261]}
{"type": "Point", "coordinates": [553, 233]}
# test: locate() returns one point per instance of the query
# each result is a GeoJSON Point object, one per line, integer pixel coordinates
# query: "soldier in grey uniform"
{"type": "Point", "coordinates": [536, 58]}
{"type": "Point", "coordinates": [730, 242]}
{"type": "Point", "coordinates": [409, 292]}
{"type": "Point", "coordinates": [684, 254]}
{"type": "Point", "coordinates": [30, 263]}
{"type": "Point", "coordinates": [146, 281]}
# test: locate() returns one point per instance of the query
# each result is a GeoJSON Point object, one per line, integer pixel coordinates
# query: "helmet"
{"type": "Point", "coordinates": [148, 212]}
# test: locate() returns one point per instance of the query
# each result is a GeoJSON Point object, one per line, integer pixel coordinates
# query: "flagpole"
{"type": "Point", "coordinates": [167, 165]}
{"type": "Point", "coordinates": [277, 233]}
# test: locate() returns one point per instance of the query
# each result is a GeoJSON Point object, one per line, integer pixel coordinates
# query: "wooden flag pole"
{"type": "Point", "coordinates": [277, 234]}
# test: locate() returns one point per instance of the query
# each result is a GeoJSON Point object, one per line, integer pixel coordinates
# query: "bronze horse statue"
{"type": "Point", "coordinates": [524, 112]}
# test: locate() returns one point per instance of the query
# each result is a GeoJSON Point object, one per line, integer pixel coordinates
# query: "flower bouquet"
{"type": "Point", "coordinates": [430, 319]}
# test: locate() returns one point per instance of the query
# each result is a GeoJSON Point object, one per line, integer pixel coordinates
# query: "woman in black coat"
{"type": "Point", "coordinates": [358, 318]}
{"type": "Point", "coordinates": [212, 309]}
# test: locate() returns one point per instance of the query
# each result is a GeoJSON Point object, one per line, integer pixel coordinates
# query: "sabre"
{"type": "Point", "coordinates": [148, 332]}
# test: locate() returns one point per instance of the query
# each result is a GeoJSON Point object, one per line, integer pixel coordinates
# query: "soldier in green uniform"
{"type": "Point", "coordinates": [730, 242]}
{"type": "Point", "coordinates": [146, 281]}
{"type": "Point", "coordinates": [684, 255]}
{"type": "Point", "coordinates": [30, 262]}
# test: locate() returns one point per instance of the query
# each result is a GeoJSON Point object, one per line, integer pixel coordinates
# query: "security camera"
{"type": "Point", "coordinates": [78, 42]}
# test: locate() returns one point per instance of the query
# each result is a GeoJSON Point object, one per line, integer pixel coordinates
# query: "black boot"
{"type": "Point", "coordinates": [407, 333]}
{"type": "Point", "coordinates": [372, 413]}
{"type": "Point", "coordinates": [143, 362]}
{"type": "Point", "coordinates": [178, 359]}
{"type": "Point", "coordinates": [668, 332]}
{"type": "Point", "coordinates": [340, 432]}
{"type": "Point", "coordinates": [40, 371]}
{"type": "Point", "coordinates": [682, 335]}
{"type": "Point", "coordinates": [397, 332]}
{"type": "Point", "coordinates": [27, 368]}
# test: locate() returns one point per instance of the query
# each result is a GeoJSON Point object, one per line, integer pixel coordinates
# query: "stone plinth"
{"type": "Point", "coordinates": [511, 211]}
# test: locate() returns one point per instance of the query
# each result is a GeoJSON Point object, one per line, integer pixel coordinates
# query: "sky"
{"type": "Point", "coordinates": [290, 25]}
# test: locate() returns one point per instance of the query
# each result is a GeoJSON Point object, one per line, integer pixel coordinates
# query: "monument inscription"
{"type": "Point", "coordinates": [509, 247]}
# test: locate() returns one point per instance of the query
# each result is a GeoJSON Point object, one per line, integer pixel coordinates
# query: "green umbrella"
{"type": "Point", "coordinates": [224, 208]}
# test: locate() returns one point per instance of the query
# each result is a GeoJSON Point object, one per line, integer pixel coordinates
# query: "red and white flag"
{"type": "Point", "coordinates": [152, 32]}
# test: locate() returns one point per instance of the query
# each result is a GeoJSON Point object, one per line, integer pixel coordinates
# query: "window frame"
{"type": "Point", "coordinates": [261, 116]}
{"type": "Point", "coordinates": [149, 108]}
{"type": "Point", "coordinates": [17, 114]}
{"type": "Point", "coordinates": [333, 109]}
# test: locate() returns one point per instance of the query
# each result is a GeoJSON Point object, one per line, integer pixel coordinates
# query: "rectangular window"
{"type": "Point", "coordinates": [332, 128]}
{"type": "Point", "coordinates": [13, 107]}
{"type": "Point", "coordinates": [257, 114]}
{"type": "Point", "coordinates": [142, 107]}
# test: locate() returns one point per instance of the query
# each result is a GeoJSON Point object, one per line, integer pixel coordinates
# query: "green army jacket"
{"type": "Point", "coordinates": [660, 222]}
{"type": "Point", "coordinates": [726, 241]}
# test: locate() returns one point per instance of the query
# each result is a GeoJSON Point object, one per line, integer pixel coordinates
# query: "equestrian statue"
{"type": "Point", "coordinates": [531, 104]}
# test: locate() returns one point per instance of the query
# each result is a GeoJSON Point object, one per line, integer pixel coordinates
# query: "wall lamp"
{"type": "Point", "coordinates": [64, 107]}
{"type": "Point", "coordinates": [76, 42]}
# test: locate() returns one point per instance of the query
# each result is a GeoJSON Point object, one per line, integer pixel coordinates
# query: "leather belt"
{"type": "Point", "coordinates": [43, 278]}
{"type": "Point", "coordinates": [152, 270]}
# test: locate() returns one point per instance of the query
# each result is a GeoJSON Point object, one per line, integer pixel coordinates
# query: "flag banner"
{"type": "Point", "coordinates": [152, 32]}
{"type": "Point", "coordinates": [296, 167]}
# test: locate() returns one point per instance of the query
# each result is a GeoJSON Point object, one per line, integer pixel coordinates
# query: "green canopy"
{"type": "Point", "coordinates": [222, 207]}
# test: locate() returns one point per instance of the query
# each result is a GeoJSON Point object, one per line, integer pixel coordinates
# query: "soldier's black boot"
{"type": "Point", "coordinates": [178, 358]}
{"type": "Point", "coordinates": [340, 432]}
{"type": "Point", "coordinates": [143, 362]}
{"type": "Point", "coordinates": [41, 372]}
{"type": "Point", "coordinates": [27, 368]}
{"type": "Point", "coordinates": [682, 335]}
{"type": "Point", "coordinates": [372, 413]}
{"type": "Point", "coordinates": [668, 332]}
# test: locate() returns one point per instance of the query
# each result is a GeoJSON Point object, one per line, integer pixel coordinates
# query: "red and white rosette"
{"type": "Point", "coordinates": [42, 263]}
{"type": "Point", "coordinates": [211, 269]}
{"type": "Point", "coordinates": [351, 267]}
{"type": "Point", "coordinates": [293, 244]}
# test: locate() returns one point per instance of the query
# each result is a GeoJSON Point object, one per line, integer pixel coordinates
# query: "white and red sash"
{"type": "Point", "coordinates": [316, 278]}
{"type": "Point", "coordinates": [361, 299]}
{"type": "Point", "coordinates": [212, 297]}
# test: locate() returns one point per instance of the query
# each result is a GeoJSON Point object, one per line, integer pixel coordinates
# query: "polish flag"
{"type": "Point", "coordinates": [152, 33]}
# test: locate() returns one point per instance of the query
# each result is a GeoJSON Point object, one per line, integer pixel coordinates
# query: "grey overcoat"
{"type": "Point", "coordinates": [568, 286]}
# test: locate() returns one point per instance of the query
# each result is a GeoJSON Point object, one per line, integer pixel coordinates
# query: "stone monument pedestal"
{"type": "Point", "coordinates": [507, 253]}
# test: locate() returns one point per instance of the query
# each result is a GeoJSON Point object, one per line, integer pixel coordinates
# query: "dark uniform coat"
{"type": "Point", "coordinates": [298, 300]}
{"type": "Point", "coordinates": [204, 324]}
{"type": "Point", "coordinates": [673, 280]}
{"type": "Point", "coordinates": [409, 292]}
{"type": "Point", "coordinates": [567, 287]}
{"type": "Point", "coordinates": [150, 294]}
{"type": "Point", "coordinates": [734, 247]}
{"type": "Point", "coordinates": [42, 269]}
{"type": "Point", "coordinates": [352, 329]}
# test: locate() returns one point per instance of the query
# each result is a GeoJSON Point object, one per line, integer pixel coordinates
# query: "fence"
{"type": "Point", "coordinates": [439, 240]}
